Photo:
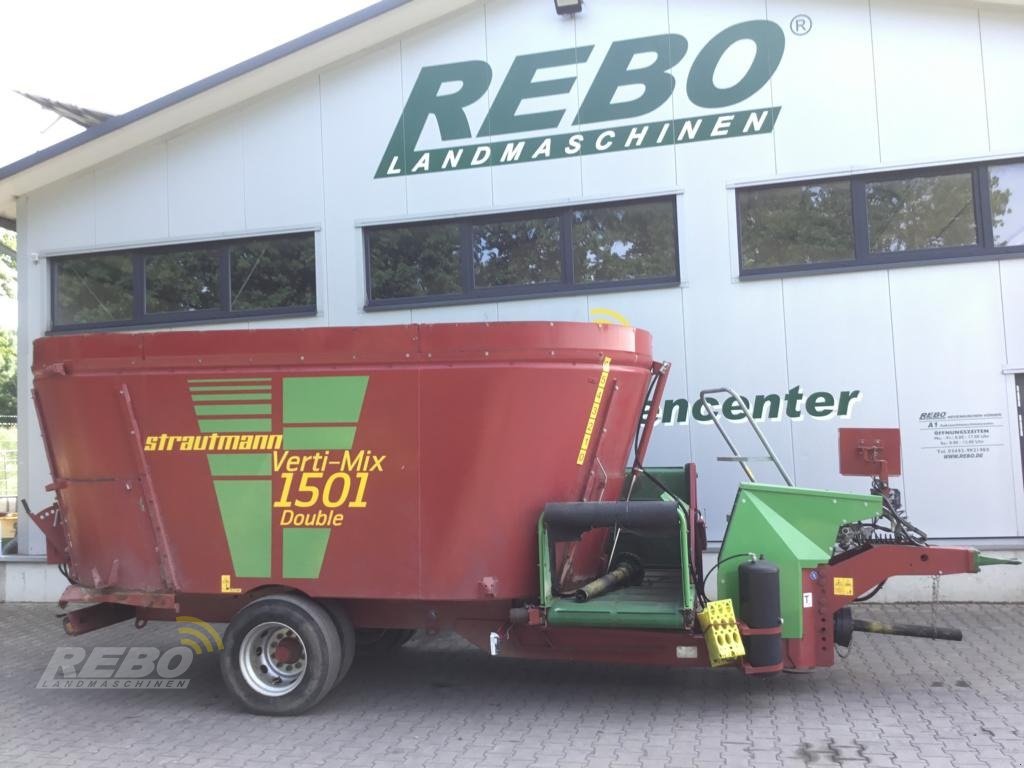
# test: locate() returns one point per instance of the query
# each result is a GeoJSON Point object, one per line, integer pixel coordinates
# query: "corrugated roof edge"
{"type": "Point", "coordinates": [176, 97]}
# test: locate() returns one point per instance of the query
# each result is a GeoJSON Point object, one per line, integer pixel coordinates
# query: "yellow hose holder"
{"type": "Point", "coordinates": [721, 633]}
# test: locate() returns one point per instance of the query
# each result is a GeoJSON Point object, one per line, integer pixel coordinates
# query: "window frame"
{"type": "Point", "coordinates": [863, 259]}
{"type": "Point", "coordinates": [141, 319]}
{"type": "Point", "coordinates": [566, 286]}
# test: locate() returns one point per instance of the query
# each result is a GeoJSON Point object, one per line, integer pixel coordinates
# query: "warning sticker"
{"type": "Point", "coordinates": [842, 585]}
{"type": "Point", "coordinates": [808, 599]}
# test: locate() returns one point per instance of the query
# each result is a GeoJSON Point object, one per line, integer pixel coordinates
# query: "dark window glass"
{"type": "Point", "coordinates": [182, 281]}
{"type": "Point", "coordinates": [273, 273]}
{"type": "Point", "coordinates": [919, 213]}
{"type": "Point", "coordinates": [1006, 196]}
{"type": "Point", "coordinates": [524, 252]}
{"type": "Point", "coordinates": [93, 289]}
{"type": "Point", "coordinates": [624, 242]}
{"type": "Point", "coordinates": [208, 281]}
{"type": "Point", "coordinates": [787, 226]}
{"type": "Point", "coordinates": [417, 260]}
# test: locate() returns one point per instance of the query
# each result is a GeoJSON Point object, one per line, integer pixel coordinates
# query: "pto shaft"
{"type": "Point", "coordinates": [907, 630]}
{"type": "Point", "coordinates": [629, 571]}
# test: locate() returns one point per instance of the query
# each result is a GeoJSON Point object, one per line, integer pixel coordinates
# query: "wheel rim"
{"type": "Point", "coordinates": [272, 658]}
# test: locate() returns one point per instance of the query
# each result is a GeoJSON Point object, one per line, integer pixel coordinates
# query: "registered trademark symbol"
{"type": "Point", "coordinates": [800, 24]}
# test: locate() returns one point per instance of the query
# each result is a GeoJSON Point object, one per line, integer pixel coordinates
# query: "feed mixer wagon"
{"type": "Point", "coordinates": [324, 489]}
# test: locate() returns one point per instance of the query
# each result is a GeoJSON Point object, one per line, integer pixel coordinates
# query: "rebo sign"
{"type": "Point", "coordinates": [445, 91]}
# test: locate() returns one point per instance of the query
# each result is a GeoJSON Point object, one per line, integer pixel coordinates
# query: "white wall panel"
{"type": "Point", "coordinates": [131, 197]}
{"type": "Point", "coordinates": [64, 216]}
{"type": "Point", "coordinates": [735, 337]}
{"type": "Point", "coordinates": [839, 338]}
{"type": "Point", "coordinates": [704, 168]}
{"type": "Point", "coordinates": [1011, 277]}
{"type": "Point", "coordinates": [928, 75]}
{"type": "Point", "coordinates": [467, 313]}
{"type": "Point", "coordinates": [569, 308]}
{"type": "Point", "coordinates": [533, 183]}
{"type": "Point", "coordinates": [354, 138]}
{"type": "Point", "coordinates": [1002, 31]}
{"type": "Point", "coordinates": [636, 170]}
{"type": "Point", "coordinates": [283, 160]}
{"type": "Point", "coordinates": [947, 328]}
{"type": "Point", "coordinates": [205, 188]}
{"type": "Point", "coordinates": [825, 87]}
{"type": "Point", "coordinates": [461, 37]}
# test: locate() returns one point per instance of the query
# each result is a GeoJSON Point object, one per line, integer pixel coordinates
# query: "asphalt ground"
{"type": "Point", "coordinates": [441, 702]}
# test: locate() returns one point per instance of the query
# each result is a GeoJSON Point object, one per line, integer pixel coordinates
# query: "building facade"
{"type": "Point", "coordinates": [818, 205]}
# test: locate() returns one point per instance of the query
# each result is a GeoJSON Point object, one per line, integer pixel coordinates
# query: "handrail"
{"type": "Point", "coordinates": [750, 420]}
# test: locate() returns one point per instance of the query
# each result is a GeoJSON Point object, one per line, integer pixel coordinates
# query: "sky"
{"type": "Point", "coordinates": [115, 55]}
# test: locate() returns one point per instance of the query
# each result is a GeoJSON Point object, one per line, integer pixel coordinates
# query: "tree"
{"type": "Point", "coordinates": [8, 342]}
{"type": "Point", "coordinates": [8, 265]}
{"type": "Point", "coordinates": [8, 374]}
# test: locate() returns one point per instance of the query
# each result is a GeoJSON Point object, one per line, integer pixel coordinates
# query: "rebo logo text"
{"type": "Point", "coordinates": [445, 91]}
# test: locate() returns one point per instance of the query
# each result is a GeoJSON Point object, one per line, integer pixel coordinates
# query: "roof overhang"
{"type": "Point", "coordinates": [314, 51]}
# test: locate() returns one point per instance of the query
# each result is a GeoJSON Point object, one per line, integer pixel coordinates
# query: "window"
{"type": "Point", "coordinates": [420, 260]}
{"type": "Point", "coordinates": [195, 282]}
{"type": "Point", "coordinates": [1006, 188]}
{"type": "Point", "coordinates": [788, 226]}
{"type": "Point", "coordinates": [920, 212]}
{"type": "Point", "coordinates": [610, 246]}
{"type": "Point", "coordinates": [623, 242]}
{"type": "Point", "coordinates": [93, 289]}
{"type": "Point", "coordinates": [516, 252]}
{"type": "Point", "coordinates": [882, 219]}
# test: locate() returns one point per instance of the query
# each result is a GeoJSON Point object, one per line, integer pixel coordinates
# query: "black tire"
{"type": "Point", "coordinates": [294, 682]}
{"type": "Point", "coordinates": [381, 641]}
{"type": "Point", "coordinates": [347, 634]}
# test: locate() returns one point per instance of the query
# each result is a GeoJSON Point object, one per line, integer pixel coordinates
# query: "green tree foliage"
{"type": "Point", "coordinates": [273, 273]}
{"type": "Point", "coordinates": [624, 242]}
{"type": "Point", "coordinates": [183, 281]}
{"type": "Point", "coordinates": [8, 373]}
{"type": "Point", "coordinates": [8, 341]}
{"type": "Point", "coordinates": [524, 252]}
{"type": "Point", "coordinates": [783, 226]}
{"type": "Point", "coordinates": [8, 267]}
{"type": "Point", "coordinates": [1007, 222]}
{"type": "Point", "coordinates": [414, 261]}
{"type": "Point", "coordinates": [93, 289]}
{"type": "Point", "coordinates": [922, 212]}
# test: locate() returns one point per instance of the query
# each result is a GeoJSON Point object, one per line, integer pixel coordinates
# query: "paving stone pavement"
{"type": "Point", "coordinates": [440, 702]}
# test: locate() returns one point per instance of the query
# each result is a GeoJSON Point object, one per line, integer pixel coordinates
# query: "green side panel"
{"type": "Point", "coordinates": [303, 550]}
{"type": "Point", "coordinates": [318, 438]}
{"type": "Point", "coordinates": [323, 399]}
{"type": "Point", "coordinates": [239, 464]}
{"type": "Point", "coordinates": [657, 604]}
{"type": "Point", "coordinates": [225, 426]}
{"type": "Point", "coordinates": [234, 409]}
{"type": "Point", "coordinates": [795, 528]}
{"type": "Point", "coordinates": [194, 388]}
{"type": "Point", "coordinates": [230, 396]}
{"type": "Point", "coordinates": [675, 479]}
{"type": "Point", "coordinates": [245, 511]}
